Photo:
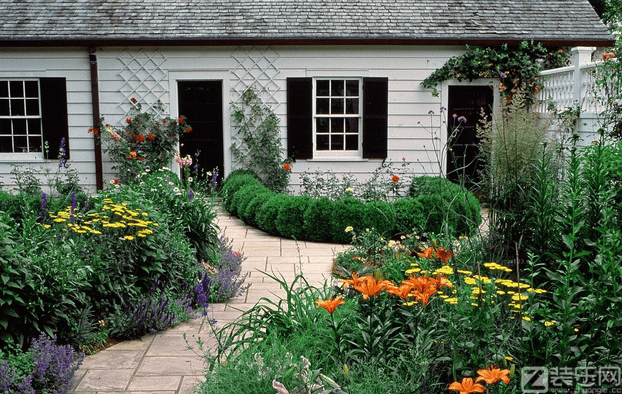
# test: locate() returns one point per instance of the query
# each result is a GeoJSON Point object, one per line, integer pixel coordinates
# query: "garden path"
{"type": "Point", "coordinates": [161, 363]}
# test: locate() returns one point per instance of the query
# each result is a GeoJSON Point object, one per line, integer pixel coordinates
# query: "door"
{"type": "Point", "coordinates": [463, 159]}
{"type": "Point", "coordinates": [201, 103]}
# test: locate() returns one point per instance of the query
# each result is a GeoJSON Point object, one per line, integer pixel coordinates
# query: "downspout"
{"type": "Point", "coordinates": [99, 178]}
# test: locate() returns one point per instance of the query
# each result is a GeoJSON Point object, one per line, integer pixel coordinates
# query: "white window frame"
{"type": "Point", "coordinates": [332, 154]}
{"type": "Point", "coordinates": [24, 156]}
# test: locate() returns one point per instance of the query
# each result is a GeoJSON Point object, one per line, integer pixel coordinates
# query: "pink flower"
{"type": "Point", "coordinates": [280, 389]}
{"type": "Point", "coordinates": [114, 134]}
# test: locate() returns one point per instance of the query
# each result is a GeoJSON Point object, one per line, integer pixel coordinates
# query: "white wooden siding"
{"type": "Point", "coordinates": [405, 66]}
{"type": "Point", "coordinates": [72, 64]}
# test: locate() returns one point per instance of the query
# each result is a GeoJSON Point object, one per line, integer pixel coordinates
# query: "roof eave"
{"type": "Point", "coordinates": [239, 41]}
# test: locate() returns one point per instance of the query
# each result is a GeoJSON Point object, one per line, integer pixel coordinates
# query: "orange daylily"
{"type": "Point", "coordinates": [370, 287]}
{"type": "Point", "coordinates": [355, 281]}
{"type": "Point", "coordinates": [442, 281]}
{"type": "Point", "coordinates": [493, 375]}
{"type": "Point", "coordinates": [420, 283]}
{"type": "Point", "coordinates": [443, 254]}
{"type": "Point", "coordinates": [424, 296]}
{"type": "Point", "coordinates": [402, 291]}
{"type": "Point", "coordinates": [331, 304]}
{"type": "Point", "coordinates": [466, 386]}
{"type": "Point", "coordinates": [427, 254]}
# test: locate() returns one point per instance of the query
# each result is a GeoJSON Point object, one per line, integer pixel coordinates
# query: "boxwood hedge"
{"type": "Point", "coordinates": [434, 204]}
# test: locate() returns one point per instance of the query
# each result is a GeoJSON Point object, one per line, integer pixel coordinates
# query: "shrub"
{"type": "Point", "coordinates": [45, 368]}
{"type": "Point", "coordinates": [266, 216]}
{"type": "Point", "coordinates": [317, 219]}
{"type": "Point", "coordinates": [348, 212]}
{"type": "Point", "coordinates": [409, 216]}
{"type": "Point", "coordinates": [446, 204]}
{"type": "Point", "coordinates": [235, 181]}
{"type": "Point", "coordinates": [243, 196]}
{"type": "Point", "coordinates": [254, 205]}
{"type": "Point", "coordinates": [291, 216]}
{"type": "Point", "coordinates": [381, 216]}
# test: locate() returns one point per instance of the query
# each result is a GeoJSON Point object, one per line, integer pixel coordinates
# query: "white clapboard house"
{"type": "Point", "coordinates": [344, 76]}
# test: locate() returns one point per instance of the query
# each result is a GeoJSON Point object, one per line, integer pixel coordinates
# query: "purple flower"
{"type": "Point", "coordinates": [44, 202]}
{"type": "Point", "coordinates": [74, 204]}
{"type": "Point", "coordinates": [190, 194]}
{"type": "Point", "coordinates": [443, 109]}
{"type": "Point", "coordinates": [502, 75]}
{"type": "Point", "coordinates": [462, 119]}
{"type": "Point", "coordinates": [454, 116]}
{"type": "Point", "coordinates": [430, 112]}
{"type": "Point", "coordinates": [62, 154]}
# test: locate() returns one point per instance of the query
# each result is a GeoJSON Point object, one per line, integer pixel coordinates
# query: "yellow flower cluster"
{"type": "Point", "coordinates": [112, 216]}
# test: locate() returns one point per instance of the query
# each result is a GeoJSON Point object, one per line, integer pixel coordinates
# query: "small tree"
{"type": "Point", "coordinates": [258, 127]}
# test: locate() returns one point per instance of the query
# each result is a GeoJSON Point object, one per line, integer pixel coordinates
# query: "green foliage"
{"type": "Point", "coordinates": [268, 213]}
{"type": "Point", "coordinates": [254, 206]}
{"type": "Point", "coordinates": [147, 142]}
{"type": "Point", "coordinates": [516, 67]}
{"type": "Point", "coordinates": [324, 220]}
{"type": "Point", "coordinates": [291, 216]}
{"type": "Point", "coordinates": [348, 212]}
{"type": "Point", "coordinates": [511, 144]}
{"type": "Point", "coordinates": [258, 127]}
{"type": "Point", "coordinates": [317, 218]}
{"type": "Point", "coordinates": [410, 216]}
{"type": "Point", "coordinates": [446, 205]}
{"type": "Point", "coordinates": [608, 92]}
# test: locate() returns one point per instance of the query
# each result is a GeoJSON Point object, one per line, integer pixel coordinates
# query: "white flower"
{"type": "Point", "coordinates": [176, 189]}
{"type": "Point", "coordinates": [189, 179]}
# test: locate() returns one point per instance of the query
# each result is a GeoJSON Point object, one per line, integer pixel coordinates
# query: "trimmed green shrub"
{"type": "Point", "coordinates": [266, 217]}
{"type": "Point", "coordinates": [317, 219]}
{"type": "Point", "coordinates": [409, 216]}
{"type": "Point", "coordinates": [446, 203]}
{"type": "Point", "coordinates": [254, 206]}
{"type": "Point", "coordinates": [348, 212]}
{"type": "Point", "coordinates": [291, 216]}
{"type": "Point", "coordinates": [243, 196]}
{"type": "Point", "coordinates": [381, 216]}
{"type": "Point", "coordinates": [233, 183]}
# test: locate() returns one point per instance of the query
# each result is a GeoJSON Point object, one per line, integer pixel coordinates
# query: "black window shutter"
{"type": "Point", "coordinates": [54, 114]}
{"type": "Point", "coordinates": [375, 117]}
{"type": "Point", "coordinates": [300, 118]}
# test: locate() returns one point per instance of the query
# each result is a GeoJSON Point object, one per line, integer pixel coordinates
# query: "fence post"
{"type": "Point", "coordinates": [580, 57]}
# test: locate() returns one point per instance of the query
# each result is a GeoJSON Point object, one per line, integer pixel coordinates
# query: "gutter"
{"type": "Point", "coordinates": [99, 179]}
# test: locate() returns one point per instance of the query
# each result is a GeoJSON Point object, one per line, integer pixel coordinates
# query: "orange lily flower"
{"type": "Point", "coordinates": [331, 304]}
{"type": "Point", "coordinates": [443, 282]}
{"type": "Point", "coordinates": [369, 287]}
{"type": "Point", "coordinates": [466, 386]}
{"type": "Point", "coordinates": [427, 254]}
{"type": "Point", "coordinates": [424, 296]}
{"type": "Point", "coordinates": [443, 254]}
{"type": "Point", "coordinates": [403, 291]}
{"type": "Point", "coordinates": [493, 375]}
{"type": "Point", "coordinates": [355, 281]}
{"type": "Point", "coordinates": [420, 282]}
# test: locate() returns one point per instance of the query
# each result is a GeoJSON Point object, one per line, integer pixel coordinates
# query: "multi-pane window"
{"type": "Point", "coordinates": [20, 116]}
{"type": "Point", "coordinates": [337, 115]}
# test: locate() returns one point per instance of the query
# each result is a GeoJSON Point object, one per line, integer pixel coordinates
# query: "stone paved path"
{"type": "Point", "coordinates": [160, 363]}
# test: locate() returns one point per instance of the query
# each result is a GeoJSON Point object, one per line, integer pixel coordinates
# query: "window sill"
{"type": "Point", "coordinates": [21, 158]}
{"type": "Point", "coordinates": [338, 158]}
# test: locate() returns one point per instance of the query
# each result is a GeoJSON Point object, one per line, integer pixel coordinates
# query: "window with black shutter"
{"type": "Point", "coordinates": [337, 117]}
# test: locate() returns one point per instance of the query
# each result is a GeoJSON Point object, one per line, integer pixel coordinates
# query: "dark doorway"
{"type": "Point", "coordinates": [463, 163]}
{"type": "Point", "coordinates": [201, 103]}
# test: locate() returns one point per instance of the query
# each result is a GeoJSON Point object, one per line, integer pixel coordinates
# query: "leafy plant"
{"type": "Point", "coordinates": [258, 127]}
{"type": "Point", "coordinates": [515, 67]}
{"type": "Point", "coordinates": [146, 142]}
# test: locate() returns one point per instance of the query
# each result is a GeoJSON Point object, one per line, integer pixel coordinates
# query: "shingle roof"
{"type": "Point", "coordinates": [571, 21]}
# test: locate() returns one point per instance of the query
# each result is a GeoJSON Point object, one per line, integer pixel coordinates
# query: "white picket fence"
{"type": "Point", "coordinates": [573, 85]}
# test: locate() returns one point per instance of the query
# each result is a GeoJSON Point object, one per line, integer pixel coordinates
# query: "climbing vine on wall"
{"type": "Point", "coordinates": [515, 67]}
{"type": "Point", "coordinates": [258, 128]}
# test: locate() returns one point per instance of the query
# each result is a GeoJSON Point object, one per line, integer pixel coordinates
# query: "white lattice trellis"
{"type": "Point", "coordinates": [143, 79]}
{"type": "Point", "coordinates": [255, 67]}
